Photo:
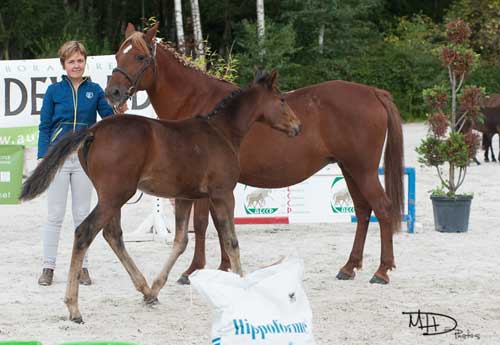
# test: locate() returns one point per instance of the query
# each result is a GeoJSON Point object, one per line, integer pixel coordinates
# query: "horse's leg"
{"type": "Point", "coordinates": [114, 236]}
{"type": "Point", "coordinates": [369, 185]}
{"type": "Point", "coordinates": [182, 211]}
{"type": "Point", "coordinates": [222, 209]}
{"type": "Point", "coordinates": [363, 211]}
{"type": "Point", "coordinates": [485, 147]}
{"type": "Point", "coordinates": [491, 145]}
{"type": "Point", "coordinates": [201, 211]}
{"type": "Point", "coordinates": [225, 261]}
{"type": "Point", "coordinates": [200, 222]}
{"type": "Point", "coordinates": [84, 235]}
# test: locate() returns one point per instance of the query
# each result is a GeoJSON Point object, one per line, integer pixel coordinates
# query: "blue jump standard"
{"type": "Point", "coordinates": [410, 217]}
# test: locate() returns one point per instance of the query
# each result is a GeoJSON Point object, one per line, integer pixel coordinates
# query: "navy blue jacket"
{"type": "Point", "coordinates": [65, 111]}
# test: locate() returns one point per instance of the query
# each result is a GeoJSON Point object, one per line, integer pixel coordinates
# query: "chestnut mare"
{"type": "Point", "coordinates": [344, 123]}
{"type": "Point", "coordinates": [189, 159]}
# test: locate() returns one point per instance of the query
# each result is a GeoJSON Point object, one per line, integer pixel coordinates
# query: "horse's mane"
{"type": "Point", "coordinates": [166, 46]}
{"type": "Point", "coordinates": [137, 38]}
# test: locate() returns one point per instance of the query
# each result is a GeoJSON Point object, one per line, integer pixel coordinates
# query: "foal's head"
{"type": "Point", "coordinates": [135, 65]}
{"type": "Point", "coordinates": [272, 107]}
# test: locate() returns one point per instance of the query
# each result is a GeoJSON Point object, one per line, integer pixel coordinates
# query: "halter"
{"type": "Point", "coordinates": [149, 60]}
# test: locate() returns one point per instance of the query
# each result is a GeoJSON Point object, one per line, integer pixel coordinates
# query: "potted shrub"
{"type": "Point", "coordinates": [450, 143]}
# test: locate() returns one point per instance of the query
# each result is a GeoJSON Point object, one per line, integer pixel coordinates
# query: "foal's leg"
{"type": "Point", "coordinates": [201, 211]}
{"type": "Point", "coordinates": [84, 235]}
{"type": "Point", "coordinates": [363, 211]}
{"type": "Point", "coordinates": [200, 220]}
{"type": "Point", "coordinates": [225, 261]}
{"type": "Point", "coordinates": [222, 208]}
{"type": "Point", "coordinates": [114, 236]}
{"type": "Point", "coordinates": [182, 210]}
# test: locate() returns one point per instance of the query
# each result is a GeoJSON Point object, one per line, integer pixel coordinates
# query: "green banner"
{"type": "Point", "coordinates": [26, 136]}
{"type": "Point", "coordinates": [11, 173]}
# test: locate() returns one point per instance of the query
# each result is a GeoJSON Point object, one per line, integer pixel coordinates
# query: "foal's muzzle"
{"type": "Point", "coordinates": [295, 130]}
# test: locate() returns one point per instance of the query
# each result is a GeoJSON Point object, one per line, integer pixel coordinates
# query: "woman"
{"type": "Point", "coordinates": [68, 106]}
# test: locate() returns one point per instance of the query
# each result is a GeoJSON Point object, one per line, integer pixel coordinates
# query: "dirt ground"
{"type": "Point", "coordinates": [452, 274]}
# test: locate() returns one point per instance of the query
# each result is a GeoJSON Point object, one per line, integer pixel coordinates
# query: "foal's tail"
{"type": "Point", "coordinates": [393, 159]}
{"type": "Point", "coordinates": [44, 173]}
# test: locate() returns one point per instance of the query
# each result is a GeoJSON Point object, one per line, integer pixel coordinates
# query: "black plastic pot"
{"type": "Point", "coordinates": [451, 214]}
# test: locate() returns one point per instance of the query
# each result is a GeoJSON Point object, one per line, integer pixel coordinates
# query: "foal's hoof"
{"type": "Point", "coordinates": [78, 320]}
{"type": "Point", "coordinates": [183, 280]}
{"type": "Point", "coordinates": [378, 280]}
{"type": "Point", "coordinates": [344, 276]}
{"type": "Point", "coordinates": [151, 301]}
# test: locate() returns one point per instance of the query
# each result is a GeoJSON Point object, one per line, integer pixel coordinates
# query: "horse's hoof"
{"type": "Point", "coordinates": [183, 280]}
{"type": "Point", "coordinates": [151, 301]}
{"type": "Point", "coordinates": [78, 320]}
{"type": "Point", "coordinates": [378, 280]}
{"type": "Point", "coordinates": [344, 276]}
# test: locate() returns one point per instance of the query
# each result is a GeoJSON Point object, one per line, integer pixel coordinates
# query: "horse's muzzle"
{"type": "Point", "coordinates": [295, 130]}
{"type": "Point", "coordinates": [116, 94]}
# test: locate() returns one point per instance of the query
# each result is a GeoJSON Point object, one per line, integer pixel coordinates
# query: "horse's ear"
{"type": "Point", "coordinates": [258, 73]}
{"type": "Point", "coordinates": [130, 30]}
{"type": "Point", "coordinates": [148, 37]}
{"type": "Point", "coordinates": [272, 79]}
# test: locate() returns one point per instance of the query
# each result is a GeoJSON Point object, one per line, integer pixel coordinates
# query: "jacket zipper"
{"type": "Point", "coordinates": [75, 102]}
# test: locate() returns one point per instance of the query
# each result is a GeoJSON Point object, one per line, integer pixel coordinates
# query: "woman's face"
{"type": "Point", "coordinates": [74, 66]}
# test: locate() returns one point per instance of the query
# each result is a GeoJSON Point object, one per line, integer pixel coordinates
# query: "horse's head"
{"type": "Point", "coordinates": [135, 65]}
{"type": "Point", "coordinates": [272, 107]}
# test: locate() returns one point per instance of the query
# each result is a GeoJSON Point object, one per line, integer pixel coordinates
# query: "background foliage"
{"type": "Point", "coordinates": [387, 44]}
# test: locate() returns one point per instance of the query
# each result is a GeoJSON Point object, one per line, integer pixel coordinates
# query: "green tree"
{"type": "Point", "coordinates": [279, 45]}
{"type": "Point", "coordinates": [483, 17]}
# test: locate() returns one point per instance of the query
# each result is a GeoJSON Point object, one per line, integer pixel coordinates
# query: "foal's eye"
{"type": "Point", "coordinates": [139, 57]}
{"type": "Point", "coordinates": [282, 100]}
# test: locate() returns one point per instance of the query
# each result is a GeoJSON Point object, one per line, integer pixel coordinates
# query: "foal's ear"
{"type": "Point", "coordinates": [272, 79]}
{"type": "Point", "coordinates": [258, 73]}
{"type": "Point", "coordinates": [148, 37]}
{"type": "Point", "coordinates": [130, 30]}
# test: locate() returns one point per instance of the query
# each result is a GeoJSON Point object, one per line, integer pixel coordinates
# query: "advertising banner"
{"type": "Point", "coordinates": [11, 173]}
{"type": "Point", "coordinates": [23, 84]}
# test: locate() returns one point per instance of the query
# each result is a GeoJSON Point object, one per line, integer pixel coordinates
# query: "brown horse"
{"type": "Point", "coordinates": [343, 122]}
{"type": "Point", "coordinates": [490, 108]}
{"type": "Point", "coordinates": [491, 126]}
{"type": "Point", "coordinates": [190, 159]}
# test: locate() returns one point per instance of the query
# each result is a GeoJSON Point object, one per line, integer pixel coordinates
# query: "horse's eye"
{"type": "Point", "coordinates": [139, 57]}
{"type": "Point", "coordinates": [282, 100]}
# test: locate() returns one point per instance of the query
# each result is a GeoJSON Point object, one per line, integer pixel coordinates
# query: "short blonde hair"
{"type": "Point", "coordinates": [69, 48]}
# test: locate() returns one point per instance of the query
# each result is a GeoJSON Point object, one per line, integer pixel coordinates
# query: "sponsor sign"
{"type": "Point", "coordinates": [11, 173]}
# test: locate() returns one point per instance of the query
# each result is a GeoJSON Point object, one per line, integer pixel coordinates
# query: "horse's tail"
{"type": "Point", "coordinates": [44, 173]}
{"type": "Point", "coordinates": [393, 159]}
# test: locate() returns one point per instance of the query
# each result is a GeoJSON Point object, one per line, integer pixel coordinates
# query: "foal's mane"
{"type": "Point", "coordinates": [137, 38]}
{"type": "Point", "coordinates": [232, 100]}
{"type": "Point", "coordinates": [226, 102]}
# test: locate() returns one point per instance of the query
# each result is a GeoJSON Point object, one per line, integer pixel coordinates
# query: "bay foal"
{"type": "Point", "coordinates": [187, 160]}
